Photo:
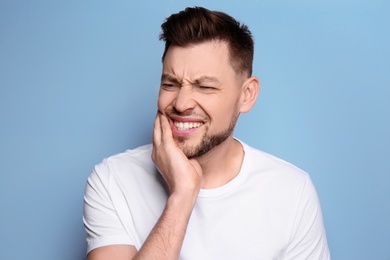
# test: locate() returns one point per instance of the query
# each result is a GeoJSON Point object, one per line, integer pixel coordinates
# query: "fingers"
{"type": "Point", "coordinates": [157, 130]}
{"type": "Point", "coordinates": [165, 128]}
{"type": "Point", "coordinates": [162, 129]}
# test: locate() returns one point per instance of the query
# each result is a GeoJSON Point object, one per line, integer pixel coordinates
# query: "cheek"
{"type": "Point", "coordinates": [224, 112]}
{"type": "Point", "coordinates": [162, 102]}
{"type": "Point", "coordinates": [159, 104]}
{"type": "Point", "coordinates": [218, 110]}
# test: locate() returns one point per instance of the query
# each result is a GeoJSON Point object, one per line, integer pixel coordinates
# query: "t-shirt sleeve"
{"type": "Point", "coordinates": [101, 222]}
{"type": "Point", "coordinates": [308, 239]}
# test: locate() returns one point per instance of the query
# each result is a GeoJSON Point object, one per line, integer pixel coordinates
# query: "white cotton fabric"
{"type": "Point", "coordinates": [269, 211]}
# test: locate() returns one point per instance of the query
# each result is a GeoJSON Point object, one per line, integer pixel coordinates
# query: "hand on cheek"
{"type": "Point", "coordinates": [181, 174]}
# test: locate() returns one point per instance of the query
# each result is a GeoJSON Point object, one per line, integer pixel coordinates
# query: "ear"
{"type": "Point", "coordinates": [250, 91]}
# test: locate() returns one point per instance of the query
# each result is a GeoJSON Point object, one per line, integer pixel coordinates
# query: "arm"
{"type": "Point", "coordinates": [183, 178]}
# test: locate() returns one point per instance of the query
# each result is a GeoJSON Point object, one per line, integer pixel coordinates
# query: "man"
{"type": "Point", "coordinates": [197, 192]}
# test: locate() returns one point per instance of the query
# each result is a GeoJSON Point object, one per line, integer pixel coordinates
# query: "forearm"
{"type": "Point", "coordinates": [166, 238]}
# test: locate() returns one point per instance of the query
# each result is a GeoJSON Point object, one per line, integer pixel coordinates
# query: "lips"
{"type": "Point", "coordinates": [184, 126]}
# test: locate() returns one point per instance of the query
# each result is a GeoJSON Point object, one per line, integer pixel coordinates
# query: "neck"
{"type": "Point", "coordinates": [221, 164]}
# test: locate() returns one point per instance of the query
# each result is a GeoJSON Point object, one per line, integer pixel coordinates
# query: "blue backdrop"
{"type": "Point", "coordinates": [79, 81]}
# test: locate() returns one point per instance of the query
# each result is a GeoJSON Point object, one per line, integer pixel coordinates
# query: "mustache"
{"type": "Point", "coordinates": [189, 112]}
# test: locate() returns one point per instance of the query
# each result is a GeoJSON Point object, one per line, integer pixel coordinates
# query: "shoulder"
{"type": "Point", "coordinates": [276, 176]}
{"type": "Point", "coordinates": [140, 154]}
{"type": "Point", "coordinates": [280, 181]}
{"type": "Point", "coordinates": [124, 165]}
{"type": "Point", "coordinates": [261, 161]}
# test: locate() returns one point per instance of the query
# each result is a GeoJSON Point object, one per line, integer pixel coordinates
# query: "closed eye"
{"type": "Point", "coordinates": [206, 88]}
{"type": "Point", "coordinates": [168, 85]}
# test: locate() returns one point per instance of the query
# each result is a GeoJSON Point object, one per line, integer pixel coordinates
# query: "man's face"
{"type": "Point", "coordinates": [199, 94]}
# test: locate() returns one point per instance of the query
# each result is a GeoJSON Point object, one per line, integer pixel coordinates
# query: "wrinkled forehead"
{"type": "Point", "coordinates": [209, 58]}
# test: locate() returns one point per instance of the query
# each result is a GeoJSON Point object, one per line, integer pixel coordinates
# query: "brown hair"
{"type": "Point", "coordinates": [198, 25]}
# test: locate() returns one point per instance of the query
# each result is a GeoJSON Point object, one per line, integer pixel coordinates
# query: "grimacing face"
{"type": "Point", "coordinates": [199, 94]}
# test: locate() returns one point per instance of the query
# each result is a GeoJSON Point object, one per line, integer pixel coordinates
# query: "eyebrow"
{"type": "Point", "coordinates": [200, 80]}
{"type": "Point", "coordinates": [207, 79]}
{"type": "Point", "coordinates": [170, 78]}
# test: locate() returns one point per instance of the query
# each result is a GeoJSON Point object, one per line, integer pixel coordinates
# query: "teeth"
{"type": "Point", "coordinates": [187, 125]}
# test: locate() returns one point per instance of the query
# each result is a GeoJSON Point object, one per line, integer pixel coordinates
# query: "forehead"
{"type": "Point", "coordinates": [204, 59]}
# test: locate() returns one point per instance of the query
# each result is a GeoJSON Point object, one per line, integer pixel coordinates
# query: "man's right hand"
{"type": "Point", "coordinates": [184, 179]}
{"type": "Point", "coordinates": [182, 175]}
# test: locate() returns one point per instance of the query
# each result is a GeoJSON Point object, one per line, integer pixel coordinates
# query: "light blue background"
{"type": "Point", "coordinates": [79, 80]}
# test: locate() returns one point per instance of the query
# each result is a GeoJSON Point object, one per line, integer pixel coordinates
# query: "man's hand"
{"type": "Point", "coordinates": [184, 179]}
{"type": "Point", "coordinates": [183, 176]}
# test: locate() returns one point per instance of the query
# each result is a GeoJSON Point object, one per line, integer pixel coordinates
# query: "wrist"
{"type": "Point", "coordinates": [183, 200]}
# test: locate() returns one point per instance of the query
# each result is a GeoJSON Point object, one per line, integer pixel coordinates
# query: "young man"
{"type": "Point", "coordinates": [197, 192]}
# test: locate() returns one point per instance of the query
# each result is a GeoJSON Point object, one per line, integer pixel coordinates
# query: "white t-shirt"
{"type": "Point", "coordinates": [270, 210]}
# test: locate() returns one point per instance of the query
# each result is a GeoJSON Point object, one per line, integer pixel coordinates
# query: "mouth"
{"type": "Point", "coordinates": [184, 126]}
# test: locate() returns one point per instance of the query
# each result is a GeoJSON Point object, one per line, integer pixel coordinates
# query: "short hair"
{"type": "Point", "coordinates": [196, 25]}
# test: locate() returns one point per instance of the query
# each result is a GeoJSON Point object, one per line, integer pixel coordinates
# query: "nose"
{"type": "Point", "coordinates": [184, 99]}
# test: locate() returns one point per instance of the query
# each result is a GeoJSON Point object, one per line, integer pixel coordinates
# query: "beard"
{"type": "Point", "coordinates": [209, 140]}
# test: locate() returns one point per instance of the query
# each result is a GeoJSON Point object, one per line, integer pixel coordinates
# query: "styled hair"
{"type": "Point", "coordinates": [197, 25]}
